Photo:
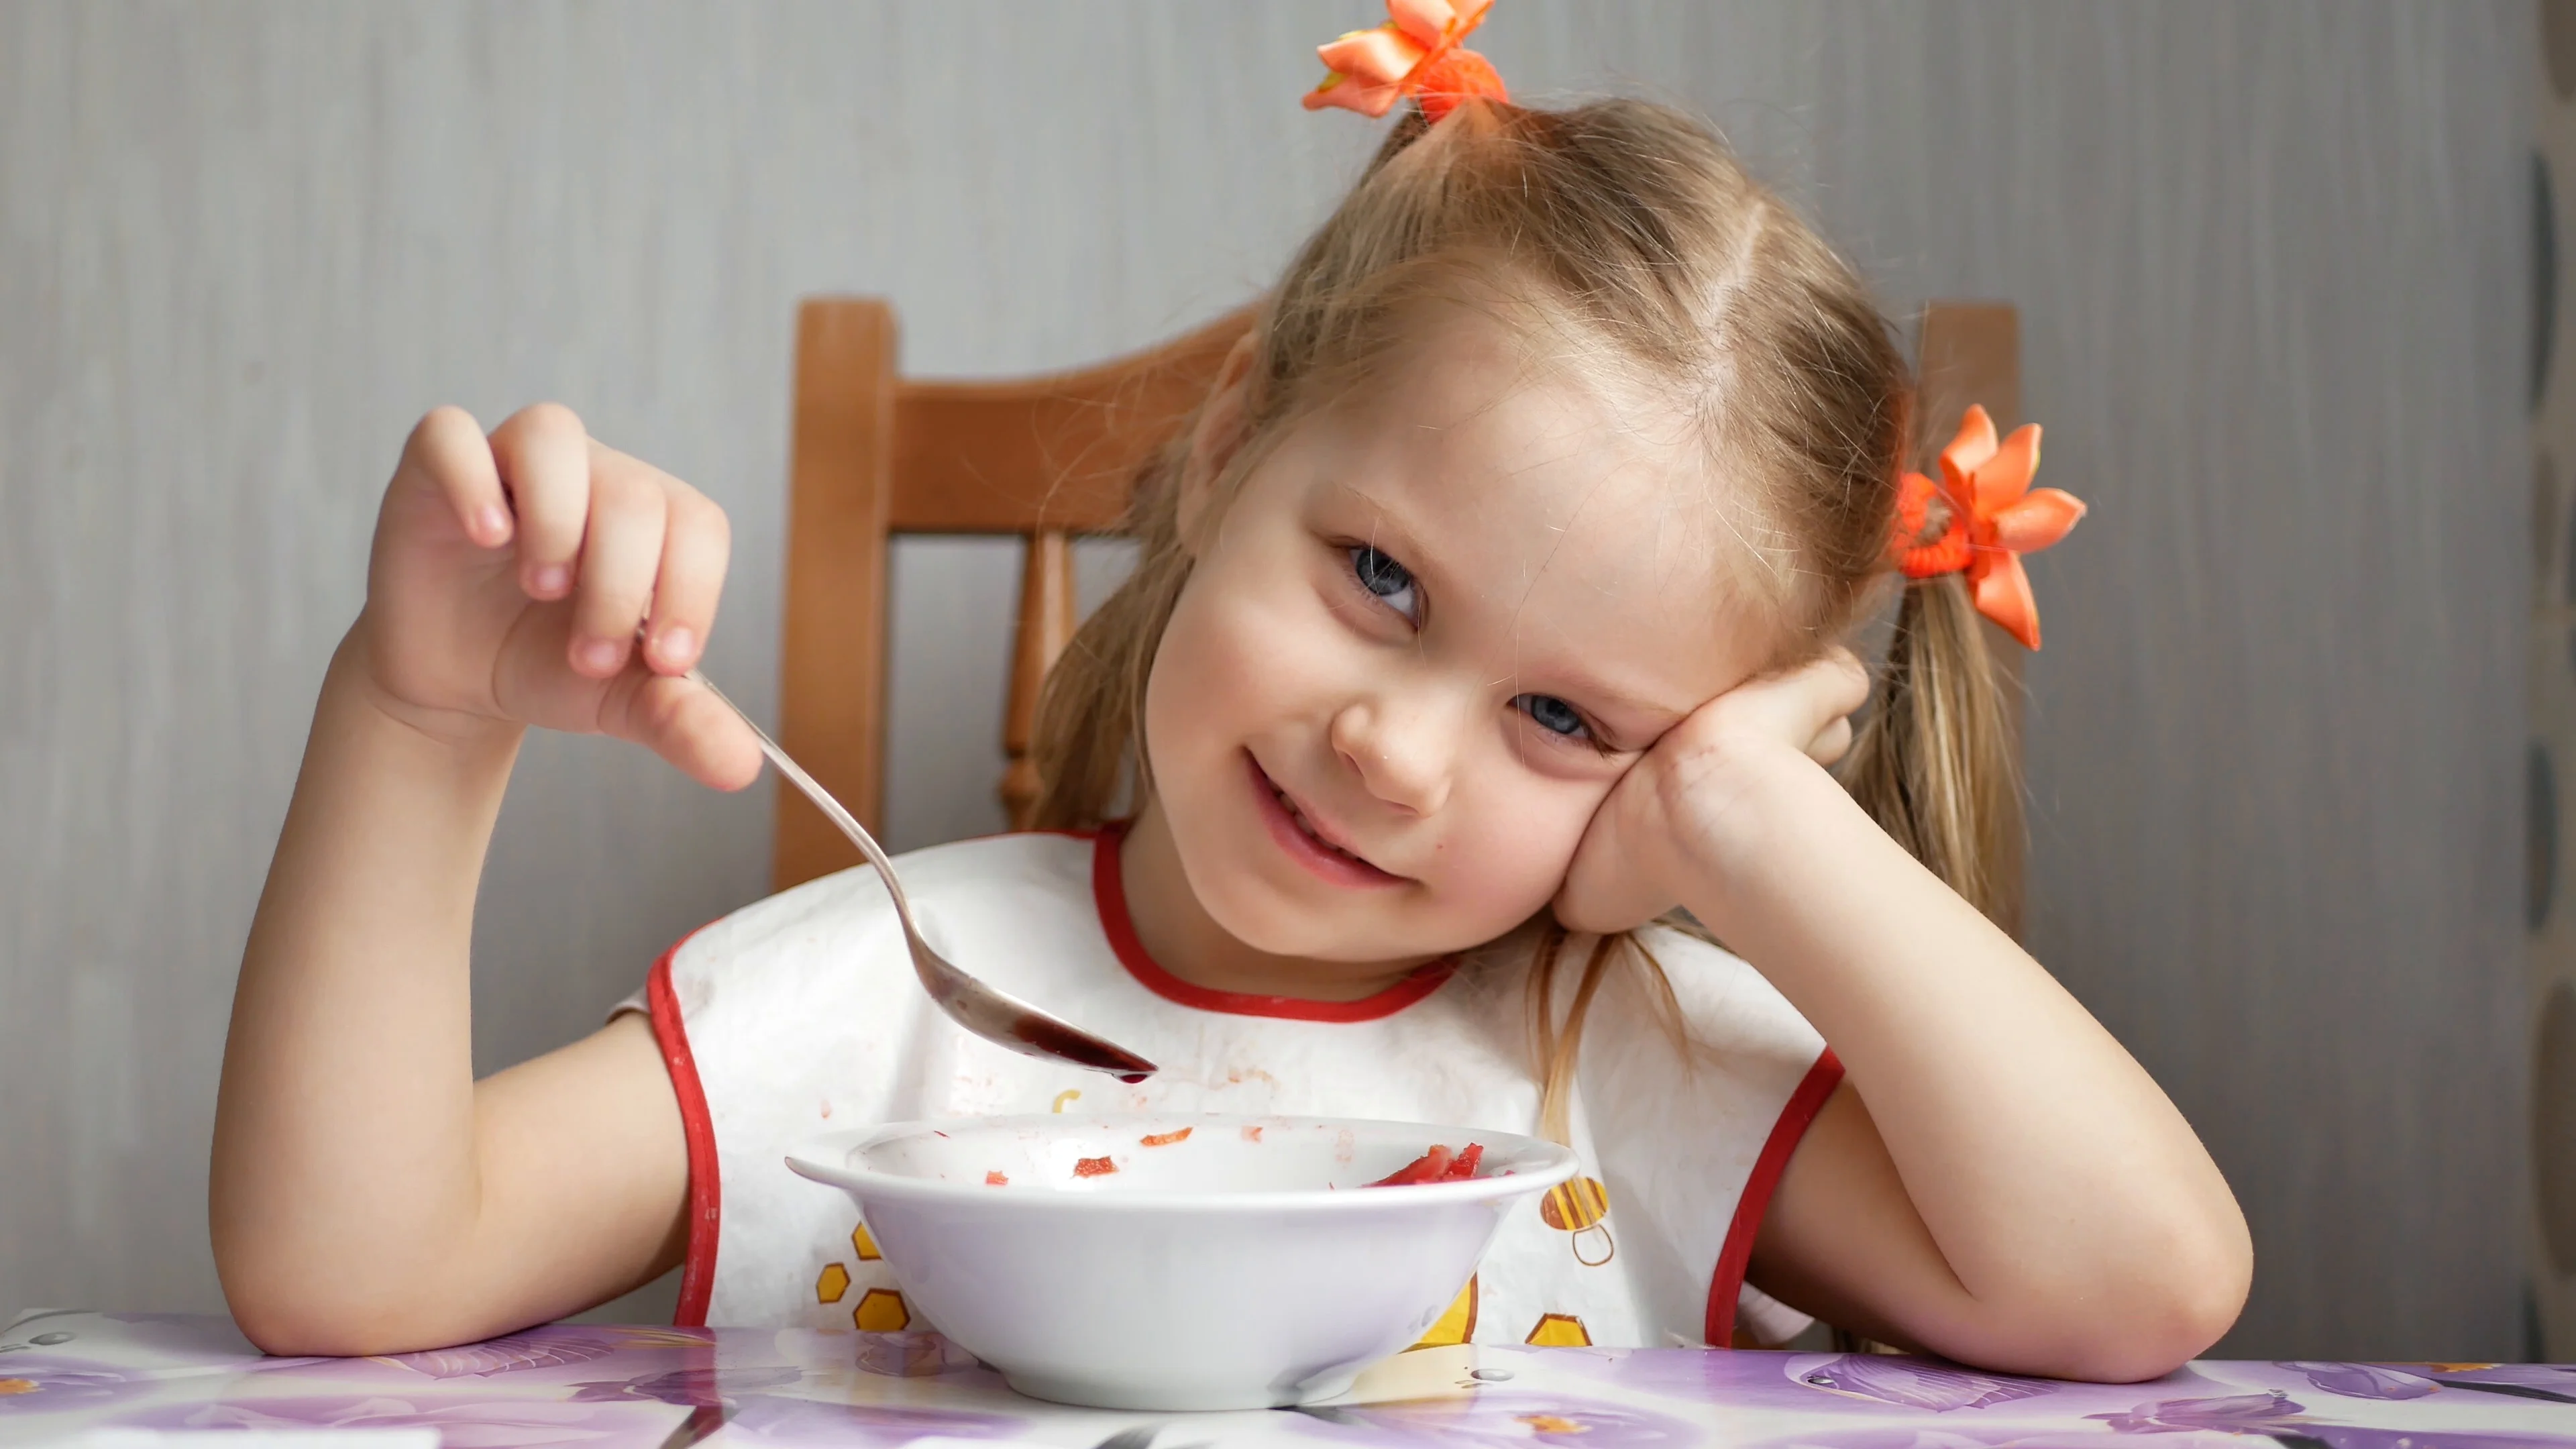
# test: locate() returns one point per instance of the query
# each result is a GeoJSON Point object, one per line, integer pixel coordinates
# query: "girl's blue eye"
{"type": "Point", "coordinates": [1553, 714]}
{"type": "Point", "coordinates": [1387, 579]}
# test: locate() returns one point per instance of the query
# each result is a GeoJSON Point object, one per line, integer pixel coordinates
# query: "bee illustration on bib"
{"type": "Point", "coordinates": [1581, 1206]}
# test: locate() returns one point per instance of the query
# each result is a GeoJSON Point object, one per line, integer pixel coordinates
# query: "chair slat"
{"type": "Point", "coordinates": [1045, 627]}
{"type": "Point", "coordinates": [1050, 452]}
{"type": "Point", "coordinates": [831, 696]}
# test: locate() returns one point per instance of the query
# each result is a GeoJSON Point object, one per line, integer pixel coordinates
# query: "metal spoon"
{"type": "Point", "coordinates": [996, 1017]}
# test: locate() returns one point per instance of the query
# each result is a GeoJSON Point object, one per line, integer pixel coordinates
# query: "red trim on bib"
{"type": "Point", "coordinates": [1110, 896]}
{"type": "Point", "coordinates": [1728, 1279]}
{"type": "Point", "coordinates": [706, 1188]}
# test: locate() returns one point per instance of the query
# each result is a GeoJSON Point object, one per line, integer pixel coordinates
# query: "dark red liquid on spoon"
{"type": "Point", "coordinates": [1055, 1040]}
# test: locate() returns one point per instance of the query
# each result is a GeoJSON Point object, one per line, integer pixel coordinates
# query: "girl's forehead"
{"type": "Point", "coordinates": [1562, 500]}
{"type": "Point", "coordinates": [1461, 361]}
{"type": "Point", "coordinates": [1481, 435]}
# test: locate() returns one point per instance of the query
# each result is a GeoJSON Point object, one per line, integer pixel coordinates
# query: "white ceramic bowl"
{"type": "Point", "coordinates": [1220, 1262]}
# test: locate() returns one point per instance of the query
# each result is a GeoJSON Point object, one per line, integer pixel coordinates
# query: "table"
{"type": "Point", "coordinates": [131, 1378]}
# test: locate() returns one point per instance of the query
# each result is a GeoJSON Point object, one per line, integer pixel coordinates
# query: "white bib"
{"type": "Point", "coordinates": [799, 1015]}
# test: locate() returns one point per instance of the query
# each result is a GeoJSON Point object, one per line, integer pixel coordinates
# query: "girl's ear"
{"type": "Point", "coordinates": [1215, 439]}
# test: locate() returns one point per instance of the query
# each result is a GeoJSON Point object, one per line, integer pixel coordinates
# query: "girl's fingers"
{"type": "Point", "coordinates": [1836, 685]}
{"type": "Point", "coordinates": [696, 543]}
{"type": "Point", "coordinates": [544, 458]}
{"type": "Point", "coordinates": [1833, 744]}
{"type": "Point", "coordinates": [1798, 708]}
{"type": "Point", "coordinates": [621, 551]}
{"type": "Point", "coordinates": [1820, 695]}
{"type": "Point", "coordinates": [1842, 685]}
{"type": "Point", "coordinates": [686, 726]}
{"type": "Point", "coordinates": [447, 448]}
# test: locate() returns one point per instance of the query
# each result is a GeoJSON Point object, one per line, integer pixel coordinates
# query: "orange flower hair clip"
{"type": "Point", "coordinates": [1415, 54]}
{"type": "Point", "coordinates": [1995, 517]}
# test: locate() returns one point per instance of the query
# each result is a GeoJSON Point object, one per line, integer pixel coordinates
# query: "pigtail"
{"type": "Point", "coordinates": [1410, 126]}
{"type": "Point", "coordinates": [1556, 1042]}
{"type": "Point", "coordinates": [1933, 764]}
{"type": "Point", "coordinates": [1089, 740]}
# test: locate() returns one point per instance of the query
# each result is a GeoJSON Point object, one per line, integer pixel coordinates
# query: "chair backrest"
{"type": "Point", "coordinates": [877, 454]}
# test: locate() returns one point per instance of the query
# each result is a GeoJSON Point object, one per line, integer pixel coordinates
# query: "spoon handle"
{"type": "Point", "coordinates": [813, 790]}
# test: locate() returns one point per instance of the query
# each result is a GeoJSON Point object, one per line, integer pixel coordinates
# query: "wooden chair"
{"type": "Point", "coordinates": [877, 454]}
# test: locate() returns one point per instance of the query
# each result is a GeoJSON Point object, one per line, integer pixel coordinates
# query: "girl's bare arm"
{"type": "Point", "coordinates": [368, 1195]}
{"type": "Point", "coordinates": [2016, 1191]}
{"type": "Point", "coordinates": [1997, 1180]}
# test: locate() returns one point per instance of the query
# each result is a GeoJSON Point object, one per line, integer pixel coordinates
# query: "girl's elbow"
{"type": "Point", "coordinates": [284, 1307]}
{"type": "Point", "coordinates": [276, 1323]}
{"type": "Point", "coordinates": [319, 1327]}
{"type": "Point", "coordinates": [2166, 1316]}
{"type": "Point", "coordinates": [279, 1320]}
{"type": "Point", "coordinates": [285, 1333]}
{"type": "Point", "coordinates": [2203, 1300]}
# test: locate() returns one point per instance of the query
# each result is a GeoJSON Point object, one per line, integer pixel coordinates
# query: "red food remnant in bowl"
{"type": "Point", "coordinates": [1251, 1134]}
{"type": "Point", "coordinates": [1094, 1167]}
{"type": "Point", "coordinates": [995, 1179]}
{"type": "Point", "coordinates": [1165, 1139]}
{"type": "Point", "coordinates": [1439, 1164]}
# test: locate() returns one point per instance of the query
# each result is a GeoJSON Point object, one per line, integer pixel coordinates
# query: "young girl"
{"type": "Point", "coordinates": [1487, 612]}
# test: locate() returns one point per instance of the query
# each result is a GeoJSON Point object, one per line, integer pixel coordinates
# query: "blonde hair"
{"type": "Point", "coordinates": [1632, 225]}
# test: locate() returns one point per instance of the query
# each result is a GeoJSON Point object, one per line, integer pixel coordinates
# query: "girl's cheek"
{"type": "Point", "coordinates": [1185, 693]}
{"type": "Point", "coordinates": [1512, 857]}
{"type": "Point", "coordinates": [1230, 656]}
{"type": "Point", "coordinates": [1275, 643]}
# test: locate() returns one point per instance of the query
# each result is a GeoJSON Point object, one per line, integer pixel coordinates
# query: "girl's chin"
{"type": "Point", "coordinates": [1358, 935]}
{"type": "Point", "coordinates": [1298, 935]}
{"type": "Point", "coordinates": [1277, 924]}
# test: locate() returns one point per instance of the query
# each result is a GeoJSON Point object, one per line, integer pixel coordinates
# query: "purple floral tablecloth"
{"type": "Point", "coordinates": [137, 1379]}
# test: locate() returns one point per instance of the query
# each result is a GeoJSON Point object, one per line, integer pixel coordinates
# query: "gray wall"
{"type": "Point", "coordinates": [2271, 261]}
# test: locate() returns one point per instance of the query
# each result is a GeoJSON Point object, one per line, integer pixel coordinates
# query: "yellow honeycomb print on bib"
{"type": "Point", "coordinates": [1581, 1206]}
{"type": "Point", "coordinates": [879, 1310]}
{"type": "Point", "coordinates": [834, 1282]}
{"type": "Point", "coordinates": [1559, 1330]}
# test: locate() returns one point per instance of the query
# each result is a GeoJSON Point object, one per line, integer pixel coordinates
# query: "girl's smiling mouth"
{"type": "Point", "coordinates": [1305, 841]}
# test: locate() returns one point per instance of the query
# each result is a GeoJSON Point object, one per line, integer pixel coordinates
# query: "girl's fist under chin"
{"type": "Point", "coordinates": [537, 577]}
{"type": "Point", "coordinates": [1692, 803]}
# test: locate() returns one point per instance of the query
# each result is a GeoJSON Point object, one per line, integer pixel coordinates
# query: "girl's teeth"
{"type": "Point", "coordinates": [1307, 829]}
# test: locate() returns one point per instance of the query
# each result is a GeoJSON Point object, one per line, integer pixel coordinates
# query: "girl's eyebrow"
{"type": "Point", "coordinates": [1387, 526]}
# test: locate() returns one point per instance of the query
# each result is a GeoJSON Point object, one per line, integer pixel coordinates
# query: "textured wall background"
{"type": "Point", "coordinates": [2552, 676]}
{"type": "Point", "coordinates": [2272, 262]}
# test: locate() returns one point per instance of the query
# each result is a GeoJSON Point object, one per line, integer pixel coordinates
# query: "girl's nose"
{"type": "Point", "coordinates": [1403, 756]}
